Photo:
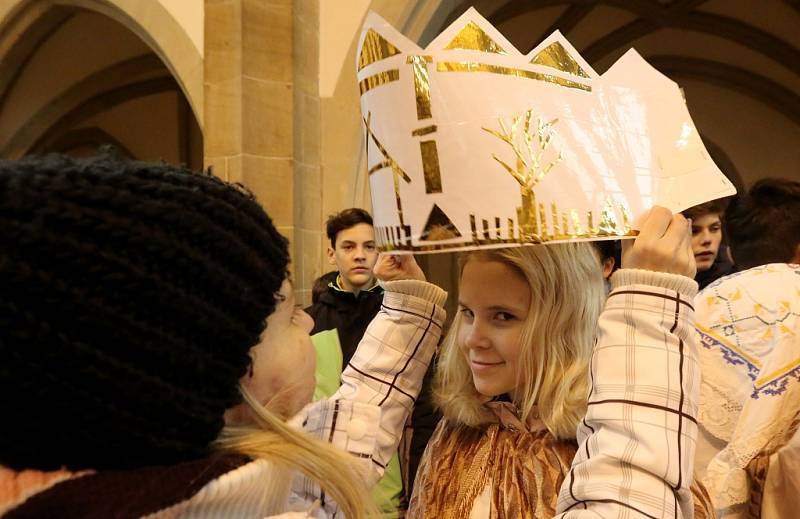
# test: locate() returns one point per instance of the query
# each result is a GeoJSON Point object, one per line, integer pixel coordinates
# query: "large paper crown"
{"type": "Point", "coordinates": [471, 143]}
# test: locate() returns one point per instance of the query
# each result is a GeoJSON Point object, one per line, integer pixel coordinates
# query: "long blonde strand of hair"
{"type": "Point", "coordinates": [272, 439]}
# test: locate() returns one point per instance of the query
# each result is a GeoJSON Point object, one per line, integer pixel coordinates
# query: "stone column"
{"type": "Point", "coordinates": [309, 235]}
{"type": "Point", "coordinates": [249, 103]}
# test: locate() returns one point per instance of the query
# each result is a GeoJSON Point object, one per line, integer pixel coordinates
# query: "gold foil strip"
{"type": "Point", "coordinates": [430, 166]}
{"type": "Point", "coordinates": [389, 162]}
{"type": "Point", "coordinates": [396, 183]}
{"type": "Point", "coordinates": [483, 235]}
{"type": "Point", "coordinates": [468, 66]}
{"type": "Point", "coordinates": [424, 131]}
{"type": "Point", "coordinates": [421, 85]}
{"type": "Point", "coordinates": [472, 37]}
{"type": "Point", "coordinates": [556, 56]}
{"type": "Point", "coordinates": [543, 223]}
{"type": "Point", "coordinates": [608, 226]}
{"type": "Point", "coordinates": [473, 228]}
{"type": "Point", "coordinates": [556, 227]}
{"type": "Point", "coordinates": [626, 219]}
{"type": "Point", "coordinates": [376, 80]}
{"type": "Point", "coordinates": [379, 166]}
{"type": "Point", "coordinates": [397, 171]}
{"type": "Point", "coordinates": [375, 48]}
{"type": "Point", "coordinates": [576, 222]}
{"type": "Point", "coordinates": [407, 232]}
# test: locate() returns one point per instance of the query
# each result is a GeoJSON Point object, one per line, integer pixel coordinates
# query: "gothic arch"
{"type": "Point", "coordinates": [30, 22]}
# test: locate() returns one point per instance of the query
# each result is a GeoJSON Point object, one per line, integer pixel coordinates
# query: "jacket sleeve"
{"type": "Point", "coordinates": [637, 440]}
{"type": "Point", "coordinates": [365, 417]}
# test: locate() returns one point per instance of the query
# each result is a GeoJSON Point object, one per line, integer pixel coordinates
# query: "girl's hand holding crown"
{"type": "Point", "coordinates": [664, 244]}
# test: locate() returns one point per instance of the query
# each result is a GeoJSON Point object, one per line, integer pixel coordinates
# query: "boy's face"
{"type": "Point", "coordinates": [355, 256]}
{"type": "Point", "coordinates": [706, 237]}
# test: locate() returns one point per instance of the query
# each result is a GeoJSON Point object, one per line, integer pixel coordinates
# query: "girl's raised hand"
{"type": "Point", "coordinates": [393, 267]}
{"type": "Point", "coordinates": [664, 244]}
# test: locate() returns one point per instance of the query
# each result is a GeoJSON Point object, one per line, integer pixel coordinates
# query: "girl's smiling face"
{"type": "Point", "coordinates": [494, 301]}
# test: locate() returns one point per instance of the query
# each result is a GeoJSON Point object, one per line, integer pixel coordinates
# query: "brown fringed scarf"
{"type": "Point", "coordinates": [524, 464]}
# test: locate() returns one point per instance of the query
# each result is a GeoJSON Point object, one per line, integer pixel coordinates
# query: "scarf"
{"type": "Point", "coordinates": [522, 463]}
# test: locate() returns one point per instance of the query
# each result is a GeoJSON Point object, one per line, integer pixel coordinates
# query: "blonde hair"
{"type": "Point", "coordinates": [270, 438]}
{"type": "Point", "coordinates": [567, 294]}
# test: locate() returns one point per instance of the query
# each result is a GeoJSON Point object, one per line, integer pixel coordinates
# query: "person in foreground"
{"type": "Point", "coordinates": [153, 363]}
{"type": "Point", "coordinates": [529, 343]}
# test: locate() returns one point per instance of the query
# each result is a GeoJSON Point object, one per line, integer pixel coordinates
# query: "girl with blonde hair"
{"type": "Point", "coordinates": [153, 362]}
{"type": "Point", "coordinates": [531, 340]}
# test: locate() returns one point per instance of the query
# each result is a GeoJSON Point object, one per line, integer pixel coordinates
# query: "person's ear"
{"type": "Point", "coordinates": [608, 267]}
{"type": "Point", "coordinates": [331, 256]}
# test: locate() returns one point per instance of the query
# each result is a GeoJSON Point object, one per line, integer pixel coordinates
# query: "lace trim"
{"type": "Point", "coordinates": [717, 412]}
{"type": "Point", "coordinates": [727, 484]}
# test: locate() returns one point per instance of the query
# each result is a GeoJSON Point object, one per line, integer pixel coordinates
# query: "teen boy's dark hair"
{"type": "Point", "coordinates": [713, 207]}
{"type": "Point", "coordinates": [344, 220]}
{"type": "Point", "coordinates": [763, 225]}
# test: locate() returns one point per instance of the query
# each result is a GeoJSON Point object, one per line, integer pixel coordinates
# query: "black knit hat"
{"type": "Point", "coordinates": [130, 296]}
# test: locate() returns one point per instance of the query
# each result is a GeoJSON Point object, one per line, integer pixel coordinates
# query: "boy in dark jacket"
{"type": "Point", "coordinates": [344, 302]}
{"type": "Point", "coordinates": [351, 297]}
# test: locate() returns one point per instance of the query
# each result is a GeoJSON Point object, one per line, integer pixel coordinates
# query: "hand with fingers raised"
{"type": "Point", "coordinates": [664, 244]}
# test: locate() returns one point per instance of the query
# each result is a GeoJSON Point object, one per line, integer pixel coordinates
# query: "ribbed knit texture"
{"type": "Point", "coordinates": [130, 295]}
{"type": "Point", "coordinates": [421, 289]}
{"type": "Point", "coordinates": [682, 284]}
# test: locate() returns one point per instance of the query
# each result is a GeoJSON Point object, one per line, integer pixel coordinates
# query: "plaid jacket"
{"type": "Point", "coordinates": [637, 442]}
{"type": "Point", "coordinates": [379, 384]}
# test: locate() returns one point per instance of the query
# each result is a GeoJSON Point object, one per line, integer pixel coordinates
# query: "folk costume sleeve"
{"type": "Point", "coordinates": [637, 441]}
{"type": "Point", "coordinates": [365, 417]}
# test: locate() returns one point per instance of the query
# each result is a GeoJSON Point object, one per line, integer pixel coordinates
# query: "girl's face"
{"type": "Point", "coordinates": [494, 300]}
{"type": "Point", "coordinates": [283, 362]}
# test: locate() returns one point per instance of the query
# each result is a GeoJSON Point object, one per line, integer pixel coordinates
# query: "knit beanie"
{"type": "Point", "coordinates": [130, 296]}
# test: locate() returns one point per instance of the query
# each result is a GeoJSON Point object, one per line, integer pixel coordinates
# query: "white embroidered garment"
{"type": "Point", "coordinates": [749, 324]}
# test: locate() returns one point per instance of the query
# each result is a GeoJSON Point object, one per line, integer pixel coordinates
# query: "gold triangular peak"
{"type": "Point", "coordinates": [375, 48]}
{"type": "Point", "coordinates": [556, 56]}
{"type": "Point", "coordinates": [472, 37]}
{"type": "Point", "coordinates": [439, 227]}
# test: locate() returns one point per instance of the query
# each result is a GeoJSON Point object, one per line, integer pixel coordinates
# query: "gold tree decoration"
{"type": "Point", "coordinates": [529, 139]}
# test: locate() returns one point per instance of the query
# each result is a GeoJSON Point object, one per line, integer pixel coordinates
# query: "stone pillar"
{"type": "Point", "coordinates": [249, 103]}
{"type": "Point", "coordinates": [309, 235]}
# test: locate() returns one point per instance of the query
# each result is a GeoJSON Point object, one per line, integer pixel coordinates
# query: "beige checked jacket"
{"type": "Point", "coordinates": [637, 442]}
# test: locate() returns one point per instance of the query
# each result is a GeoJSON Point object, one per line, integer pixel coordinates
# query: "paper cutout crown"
{"type": "Point", "coordinates": [472, 144]}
